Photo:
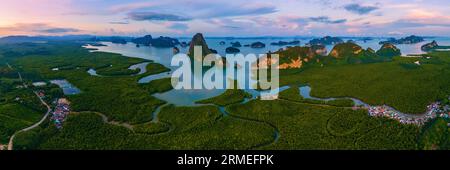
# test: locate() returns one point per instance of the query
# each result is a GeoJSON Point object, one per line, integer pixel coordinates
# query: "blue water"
{"type": "Point", "coordinates": [188, 97]}
{"type": "Point", "coordinates": [305, 92]}
{"type": "Point", "coordinates": [68, 89]}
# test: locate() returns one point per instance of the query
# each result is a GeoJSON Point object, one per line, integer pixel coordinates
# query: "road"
{"type": "Point", "coordinates": [9, 65]}
{"type": "Point", "coordinates": [11, 140]}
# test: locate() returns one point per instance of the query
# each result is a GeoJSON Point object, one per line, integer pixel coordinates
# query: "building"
{"type": "Point", "coordinates": [63, 101]}
{"type": "Point", "coordinates": [39, 84]}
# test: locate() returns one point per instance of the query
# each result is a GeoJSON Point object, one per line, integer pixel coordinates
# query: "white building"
{"type": "Point", "coordinates": [38, 84]}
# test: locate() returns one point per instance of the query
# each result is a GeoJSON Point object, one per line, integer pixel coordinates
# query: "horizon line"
{"type": "Point", "coordinates": [206, 37]}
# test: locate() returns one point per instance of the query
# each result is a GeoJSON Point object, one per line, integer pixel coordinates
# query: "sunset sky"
{"type": "Point", "coordinates": [226, 17]}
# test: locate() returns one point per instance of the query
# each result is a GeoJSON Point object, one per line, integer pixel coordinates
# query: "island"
{"type": "Point", "coordinates": [283, 43]}
{"type": "Point", "coordinates": [236, 44]}
{"type": "Point", "coordinates": [433, 46]}
{"type": "Point", "coordinates": [160, 42]}
{"type": "Point", "coordinates": [406, 40]}
{"type": "Point", "coordinates": [232, 50]}
{"type": "Point", "coordinates": [258, 45]}
{"type": "Point", "coordinates": [327, 40]}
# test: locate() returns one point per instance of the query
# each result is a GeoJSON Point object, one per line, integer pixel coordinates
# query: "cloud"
{"type": "Point", "coordinates": [40, 28]}
{"type": "Point", "coordinates": [326, 20]}
{"type": "Point", "coordinates": [119, 22]}
{"type": "Point", "coordinates": [319, 19]}
{"type": "Point", "coordinates": [402, 23]}
{"type": "Point", "coordinates": [58, 30]}
{"type": "Point", "coordinates": [229, 23]}
{"type": "Point", "coordinates": [189, 10]}
{"type": "Point", "coordinates": [153, 16]}
{"type": "Point", "coordinates": [231, 27]}
{"type": "Point", "coordinates": [239, 10]}
{"type": "Point", "coordinates": [132, 6]}
{"type": "Point", "coordinates": [179, 26]}
{"type": "Point", "coordinates": [360, 9]}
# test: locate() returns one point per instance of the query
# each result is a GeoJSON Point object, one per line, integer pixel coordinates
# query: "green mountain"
{"type": "Point", "coordinates": [389, 50]}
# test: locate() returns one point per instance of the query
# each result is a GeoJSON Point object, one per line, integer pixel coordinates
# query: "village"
{"type": "Point", "coordinates": [62, 106]}
{"type": "Point", "coordinates": [434, 110]}
{"type": "Point", "coordinates": [59, 114]}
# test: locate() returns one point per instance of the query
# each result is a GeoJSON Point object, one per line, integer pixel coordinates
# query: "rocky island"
{"type": "Point", "coordinates": [258, 45]}
{"type": "Point", "coordinates": [283, 43]}
{"type": "Point", "coordinates": [118, 40]}
{"type": "Point", "coordinates": [388, 50]}
{"type": "Point", "coordinates": [232, 50]}
{"type": "Point", "coordinates": [236, 44]}
{"type": "Point", "coordinates": [161, 42]}
{"type": "Point", "coordinates": [328, 40]}
{"type": "Point", "coordinates": [199, 40]}
{"type": "Point", "coordinates": [406, 40]}
{"type": "Point", "coordinates": [433, 46]}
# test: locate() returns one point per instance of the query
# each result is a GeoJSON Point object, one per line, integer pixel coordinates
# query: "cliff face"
{"type": "Point", "coordinates": [351, 53]}
{"type": "Point", "coordinates": [199, 40]}
{"type": "Point", "coordinates": [345, 50]}
{"type": "Point", "coordinates": [297, 57]}
{"type": "Point", "coordinates": [342, 53]}
{"type": "Point", "coordinates": [319, 49]}
{"type": "Point", "coordinates": [389, 50]}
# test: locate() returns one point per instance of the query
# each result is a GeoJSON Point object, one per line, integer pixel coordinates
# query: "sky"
{"type": "Point", "coordinates": [226, 17]}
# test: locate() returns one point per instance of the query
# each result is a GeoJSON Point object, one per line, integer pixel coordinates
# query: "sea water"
{"type": "Point", "coordinates": [188, 97]}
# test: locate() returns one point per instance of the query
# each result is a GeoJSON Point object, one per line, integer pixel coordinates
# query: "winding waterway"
{"type": "Point", "coordinates": [384, 110]}
{"type": "Point", "coordinates": [188, 97]}
{"type": "Point", "coordinates": [141, 66]}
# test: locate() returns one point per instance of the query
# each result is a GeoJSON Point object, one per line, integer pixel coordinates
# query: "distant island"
{"type": "Point", "coordinates": [282, 43]}
{"type": "Point", "coordinates": [342, 53]}
{"type": "Point", "coordinates": [328, 40]}
{"type": "Point", "coordinates": [236, 44]}
{"type": "Point", "coordinates": [162, 42]}
{"type": "Point", "coordinates": [232, 50]}
{"type": "Point", "coordinates": [258, 45]}
{"type": "Point", "coordinates": [406, 40]}
{"type": "Point", "coordinates": [433, 46]}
